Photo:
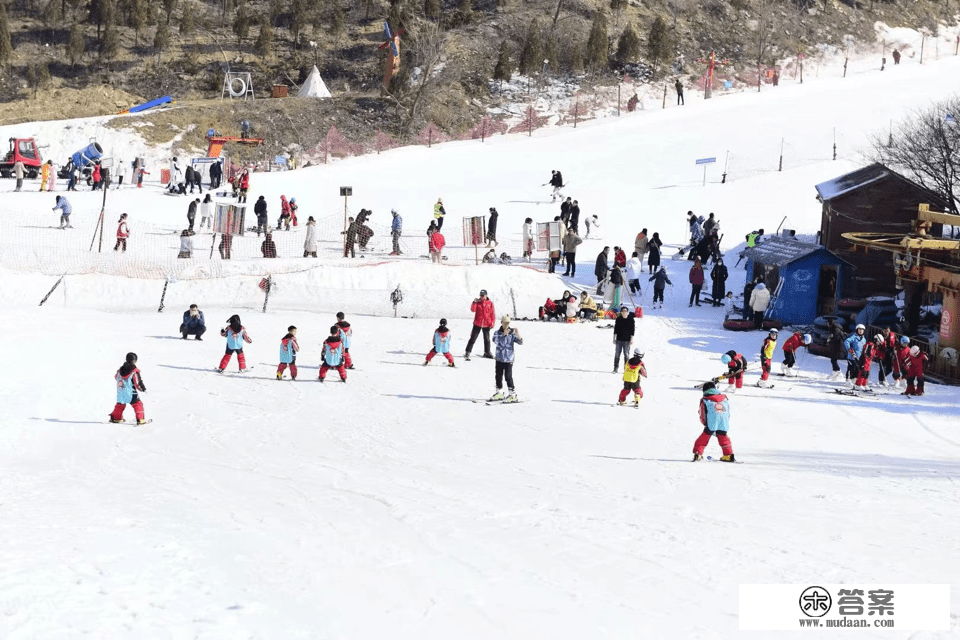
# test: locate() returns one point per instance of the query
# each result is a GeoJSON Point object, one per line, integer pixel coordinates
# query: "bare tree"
{"type": "Point", "coordinates": [424, 50]}
{"type": "Point", "coordinates": [926, 145]}
{"type": "Point", "coordinates": [767, 23]}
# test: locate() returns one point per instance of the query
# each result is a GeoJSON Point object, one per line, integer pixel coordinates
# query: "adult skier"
{"type": "Point", "coordinates": [715, 418]}
{"type": "Point", "coordinates": [483, 319]}
{"type": "Point", "coordinates": [794, 342]}
{"type": "Point", "coordinates": [288, 353]}
{"type": "Point", "coordinates": [439, 213]}
{"type": "Point", "coordinates": [505, 338]}
{"type": "Point", "coordinates": [260, 208]}
{"type": "Point", "coordinates": [854, 345]}
{"type": "Point", "coordinates": [660, 282]}
{"type": "Point", "coordinates": [129, 382]}
{"type": "Point", "coordinates": [441, 344]}
{"type": "Point", "coordinates": [556, 181]}
{"type": "Point", "coordinates": [624, 328]}
{"type": "Point", "coordinates": [396, 230]}
{"type": "Point", "coordinates": [236, 334]}
{"type": "Point", "coordinates": [632, 370]}
{"type": "Point", "coordinates": [601, 269]}
{"type": "Point", "coordinates": [767, 349]}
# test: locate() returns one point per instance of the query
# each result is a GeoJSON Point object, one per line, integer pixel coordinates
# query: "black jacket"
{"type": "Point", "coordinates": [260, 208]}
{"type": "Point", "coordinates": [601, 269]}
{"type": "Point", "coordinates": [616, 276]}
{"type": "Point", "coordinates": [624, 328]}
{"type": "Point", "coordinates": [719, 273]}
{"type": "Point", "coordinates": [565, 209]}
{"type": "Point", "coordinates": [492, 225]}
{"type": "Point", "coordinates": [653, 247]}
{"type": "Point", "coordinates": [556, 180]}
{"type": "Point", "coordinates": [192, 210]}
{"type": "Point", "coordinates": [575, 213]}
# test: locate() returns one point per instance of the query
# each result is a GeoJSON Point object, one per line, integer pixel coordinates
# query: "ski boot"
{"type": "Point", "coordinates": [621, 402]}
{"type": "Point", "coordinates": [142, 422]}
{"type": "Point", "coordinates": [115, 421]}
{"type": "Point", "coordinates": [730, 388]}
{"type": "Point", "coordinates": [497, 396]}
{"type": "Point", "coordinates": [512, 397]}
{"type": "Point", "coordinates": [426, 362]}
{"type": "Point", "coordinates": [697, 457]}
{"type": "Point", "coordinates": [636, 401]}
{"type": "Point", "coordinates": [279, 376]}
{"type": "Point", "coordinates": [219, 370]}
{"type": "Point", "coordinates": [616, 369]}
{"type": "Point", "coordinates": [451, 365]}
{"type": "Point", "coordinates": [729, 458]}
{"type": "Point", "coordinates": [764, 384]}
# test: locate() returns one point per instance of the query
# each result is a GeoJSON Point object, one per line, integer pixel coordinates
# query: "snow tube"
{"type": "Point", "coordinates": [851, 304]}
{"type": "Point", "coordinates": [239, 92]}
{"type": "Point", "coordinates": [738, 325]}
{"type": "Point", "coordinates": [772, 324]}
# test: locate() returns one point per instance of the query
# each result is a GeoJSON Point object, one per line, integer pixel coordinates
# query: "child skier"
{"type": "Point", "coordinates": [288, 353]}
{"type": "Point", "coordinates": [333, 354]}
{"type": "Point", "coordinates": [441, 344]}
{"type": "Point", "coordinates": [715, 418]}
{"type": "Point", "coordinates": [293, 211]}
{"type": "Point", "coordinates": [346, 336]}
{"type": "Point", "coordinates": [285, 214]}
{"type": "Point", "coordinates": [899, 360]}
{"type": "Point", "coordinates": [913, 368]}
{"type": "Point", "coordinates": [854, 345]}
{"type": "Point", "coordinates": [236, 334]}
{"type": "Point", "coordinates": [767, 349]}
{"type": "Point", "coordinates": [790, 347]}
{"type": "Point", "coordinates": [737, 365]}
{"type": "Point", "coordinates": [65, 211]}
{"type": "Point", "coordinates": [867, 356]}
{"type": "Point", "coordinates": [660, 282]}
{"type": "Point", "coordinates": [632, 371]}
{"type": "Point", "coordinates": [505, 338]}
{"type": "Point", "coordinates": [123, 232]}
{"type": "Point", "coordinates": [128, 383]}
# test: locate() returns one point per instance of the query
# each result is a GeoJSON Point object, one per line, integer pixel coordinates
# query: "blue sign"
{"type": "Point", "coordinates": [706, 160]}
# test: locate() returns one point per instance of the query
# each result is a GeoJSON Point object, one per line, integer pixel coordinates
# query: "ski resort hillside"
{"type": "Point", "coordinates": [403, 502]}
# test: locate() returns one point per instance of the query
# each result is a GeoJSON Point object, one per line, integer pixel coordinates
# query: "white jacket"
{"type": "Point", "coordinates": [527, 231]}
{"type": "Point", "coordinates": [760, 298]}
{"type": "Point", "coordinates": [206, 210]}
{"type": "Point", "coordinates": [310, 242]}
{"type": "Point", "coordinates": [634, 269]}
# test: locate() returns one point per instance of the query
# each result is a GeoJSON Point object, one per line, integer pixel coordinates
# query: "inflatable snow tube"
{"type": "Point", "coordinates": [851, 304]}
{"type": "Point", "coordinates": [772, 324]}
{"type": "Point", "coordinates": [240, 92]}
{"type": "Point", "coordinates": [738, 325]}
{"type": "Point", "coordinates": [819, 350]}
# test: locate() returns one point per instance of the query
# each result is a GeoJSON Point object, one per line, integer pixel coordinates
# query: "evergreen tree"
{"type": "Point", "coordinates": [264, 44]}
{"type": "Point", "coordinates": [168, 7]}
{"type": "Point", "coordinates": [161, 38]}
{"type": "Point", "coordinates": [431, 9]}
{"type": "Point", "coordinates": [598, 45]}
{"type": "Point", "coordinates": [618, 6]}
{"type": "Point", "coordinates": [628, 47]}
{"type": "Point", "coordinates": [187, 24]}
{"type": "Point", "coordinates": [577, 55]}
{"type": "Point", "coordinates": [337, 20]}
{"type": "Point", "coordinates": [659, 43]}
{"type": "Point", "coordinates": [532, 55]}
{"type": "Point", "coordinates": [137, 18]}
{"type": "Point", "coordinates": [241, 25]}
{"type": "Point", "coordinates": [6, 46]}
{"type": "Point", "coordinates": [465, 13]}
{"type": "Point", "coordinates": [38, 76]}
{"type": "Point", "coordinates": [550, 53]}
{"type": "Point", "coordinates": [75, 45]}
{"type": "Point", "coordinates": [301, 16]}
{"type": "Point", "coordinates": [109, 44]}
{"type": "Point", "coordinates": [504, 69]}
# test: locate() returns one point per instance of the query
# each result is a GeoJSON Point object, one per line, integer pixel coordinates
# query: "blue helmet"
{"type": "Point", "coordinates": [725, 359]}
{"type": "Point", "coordinates": [292, 200]}
{"type": "Point", "coordinates": [904, 340]}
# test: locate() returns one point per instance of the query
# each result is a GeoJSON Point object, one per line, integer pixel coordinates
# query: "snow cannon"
{"type": "Point", "coordinates": [87, 155]}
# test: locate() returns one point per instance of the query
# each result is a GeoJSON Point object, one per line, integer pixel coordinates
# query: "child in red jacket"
{"type": "Point", "coordinates": [123, 232]}
{"type": "Point", "coordinates": [346, 337]}
{"type": "Point", "coordinates": [794, 342]}
{"type": "Point", "coordinates": [913, 368]}
{"type": "Point", "coordinates": [866, 359]}
{"type": "Point", "coordinates": [129, 383]}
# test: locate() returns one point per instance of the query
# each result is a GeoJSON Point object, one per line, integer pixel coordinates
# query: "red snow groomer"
{"type": "Point", "coordinates": [24, 150]}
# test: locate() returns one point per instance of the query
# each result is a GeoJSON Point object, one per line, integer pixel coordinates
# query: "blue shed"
{"type": "Point", "coordinates": [805, 279]}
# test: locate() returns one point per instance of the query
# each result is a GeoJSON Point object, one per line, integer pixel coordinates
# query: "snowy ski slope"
{"type": "Point", "coordinates": [394, 506]}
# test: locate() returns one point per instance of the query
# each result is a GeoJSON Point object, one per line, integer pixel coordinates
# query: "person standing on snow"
{"type": "Point", "coordinates": [737, 366]}
{"type": "Point", "coordinates": [123, 232]}
{"type": "Point", "coordinates": [310, 241]}
{"type": "Point", "coordinates": [396, 230]}
{"type": "Point", "coordinates": [867, 356]}
{"type": "Point", "coordinates": [284, 214]}
{"type": "Point", "coordinates": [483, 318]}
{"type": "Point", "coordinates": [175, 173]}
{"type": "Point", "coordinates": [65, 211]}
{"type": "Point", "coordinates": [206, 212]}
{"type": "Point", "coordinates": [696, 282]}
{"type": "Point", "coordinates": [624, 328]}
{"type": "Point", "coordinates": [244, 186]}
{"type": "Point", "coordinates": [719, 275]}
{"type": "Point", "coordinates": [679, 87]}
{"type": "Point", "coordinates": [759, 299]}
{"type": "Point", "coordinates": [556, 181]}
{"type": "Point", "coordinates": [575, 217]}
{"type": "Point", "coordinates": [346, 337]}
{"type": "Point", "coordinates": [790, 347]}
{"type": "Point", "coordinates": [837, 350]}
{"type": "Point", "coordinates": [767, 350]}
{"type": "Point", "coordinates": [439, 213]}
{"type": "Point", "coordinates": [913, 369]}
{"type": "Point", "coordinates": [236, 334]}
{"type": "Point", "coordinates": [192, 212]}
{"type": "Point", "coordinates": [505, 338]}
{"type": "Point", "coordinates": [19, 171]}
{"type": "Point", "coordinates": [565, 207]}
{"type": "Point", "coordinates": [441, 344]}
{"type": "Point", "coordinates": [528, 239]}
{"type": "Point", "coordinates": [632, 370]}
{"type": "Point", "coordinates": [660, 282]}
{"type": "Point", "coordinates": [854, 345]}
{"type": "Point", "coordinates": [715, 418]}
{"type": "Point", "coordinates": [570, 243]}
{"type": "Point", "coordinates": [260, 208]}
{"type": "Point", "coordinates": [634, 269]}
{"type": "Point", "coordinates": [437, 243]}
{"type": "Point", "coordinates": [601, 269]}
{"type": "Point", "coordinates": [129, 382]}
{"type": "Point", "coordinates": [288, 353]}
{"type": "Point", "coordinates": [653, 260]}
{"type": "Point", "coordinates": [333, 355]}
{"type": "Point", "coordinates": [492, 228]}
{"type": "Point", "coordinates": [641, 244]}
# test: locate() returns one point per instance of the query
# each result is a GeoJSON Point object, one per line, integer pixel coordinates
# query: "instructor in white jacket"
{"type": "Point", "coordinates": [759, 300]}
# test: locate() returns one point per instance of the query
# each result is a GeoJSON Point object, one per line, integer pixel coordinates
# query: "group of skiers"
{"type": "Point", "coordinates": [892, 356]}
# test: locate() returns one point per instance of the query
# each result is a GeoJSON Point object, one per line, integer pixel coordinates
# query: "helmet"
{"type": "Point", "coordinates": [638, 353]}
{"type": "Point", "coordinates": [878, 337]}
{"type": "Point", "coordinates": [915, 350]}
{"type": "Point", "coordinates": [292, 200]}
{"type": "Point", "coordinates": [725, 359]}
{"type": "Point", "coordinates": [807, 338]}
{"type": "Point", "coordinates": [774, 331]}
{"type": "Point", "coordinates": [131, 357]}
{"type": "Point", "coordinates": [904, 340]}
{"type": "Point", "coordinates": [860, 327]}
{"type": "Point", "coordinates": [393, 211]}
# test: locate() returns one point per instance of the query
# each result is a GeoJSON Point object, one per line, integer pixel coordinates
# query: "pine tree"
{"type": "Point", "coordinates": [38, 76]}
{"type": "Point", "coordinates": [659, 43]}
{"type": "Point", "coordinates": [337, 19]}
{"type": "Point", "coordinates": [6, 46]}
{"type": "Point", "coordinates": [550, 53]}
{"type": "Point", "coordinates": [168, 7]}
{"type": "Point", "coordinates": [137, 18]}
{"type": "Point", "coordinates": [241, 25]}
{"type": "Point", "coordinates": [577, 55]}
{"type": "Point", "coordinates": [628, 47]}
{"type": "Point", "coordinates": [532, 55]}
{"type": "Point", "coordinates": [504, 69]}
{"type": "Point", "coordinates": [109, 44]}
{"type": "Point", "coordinates": [598, 45]}
{"type": "Point", "coordinates": [431, 9]}
{"type": "Point", "coordinates": [264, 44]}
{"type": "Point", "coordinates": [75, 45]}
{"type": "Point", "coordinates": [161, 38]}
{"type": "Point", "coordinates": [465, 13]}
{"type": "Point", "coordinates": [187, 25]}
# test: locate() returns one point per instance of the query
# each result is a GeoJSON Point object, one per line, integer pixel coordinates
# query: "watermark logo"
{"type": "Point", "coordinates": [815, 602]}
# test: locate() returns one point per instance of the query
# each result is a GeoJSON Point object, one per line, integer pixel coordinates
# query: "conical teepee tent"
{"type": "Point", "coordinates": [314, 87]}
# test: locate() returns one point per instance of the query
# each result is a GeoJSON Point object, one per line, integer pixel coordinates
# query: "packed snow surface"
{"type": "Point", "coordinates": [394, 506]}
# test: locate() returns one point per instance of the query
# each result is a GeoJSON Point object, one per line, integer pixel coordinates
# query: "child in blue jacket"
{"type": "Point", "coordinates": [333, 355]}
{"type": "Point", "coordinates": [441, 344]}
{"type": "Point", "coordinates": [128, 383]}
{"type": "Point", "coordinates": [346, 337]}
{"type": "Point", "coordinates": [715, 418]}
{"type": "Point", "coordinates": [288, 353]}
{"type": "Point", "coordinates": [236, 335]}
